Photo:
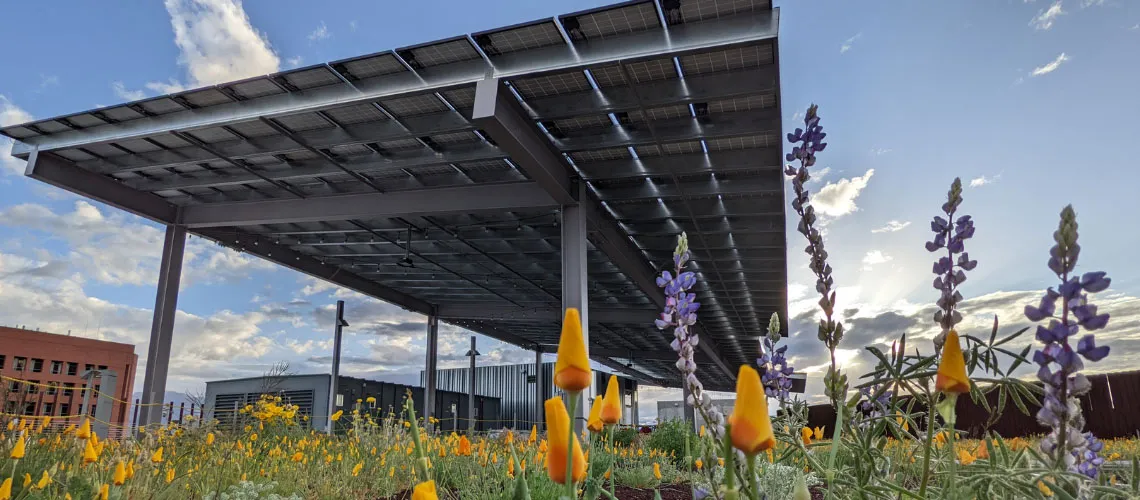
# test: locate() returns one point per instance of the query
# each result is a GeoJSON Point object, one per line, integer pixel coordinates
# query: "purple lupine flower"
{"type": "Point", "coordinates": [680, 314]}
{"type": "Point", "coordinates": [872, 407]}
{"type": "Point", "coordinates": [1059, 366]}
{"type": "Point", "coordinates": [810, 141]}
{"type": "Point", "coordinates": [950, 268]}
{"type": "Point", "coordinates": [775, 370]}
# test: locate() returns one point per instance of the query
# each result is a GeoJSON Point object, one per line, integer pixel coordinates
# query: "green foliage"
{"type": "Point", "coordinates": [669, 436]}
{"type": "Point", "coordinates": [246, 490]}
{"type": "Point", "coordinates": [638, 477]}
{"type": "Point", "coordinates": [625, 436]}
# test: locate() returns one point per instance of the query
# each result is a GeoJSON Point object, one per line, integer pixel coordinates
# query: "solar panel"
{"type": "Point", "coordinates": [52, 127]}
{"type": "Point", "coordinates": [743, 103]}
{"type": "Point", "coordinates": [548, 85]}
{"type": "Point", "coordinates": [611, 22]}
{"type": "Point", "coordinates": [254, 128]}
{"type": "Point", "coordinates": [462, 98]}
{"type": "Point", "coordinates": [368, 67]}
{"type": "Point", "coordinates": [662, 113]}
{"type": "Point", "coordinates": [74, 155]}
{"type": "Point", "coordinates": [303, 121]}
{"type": "Point", "coordinates": [440, 53]}
{"type": "Point", "coordinates": [533, 36]}
{"type": "Point", "coordinates": [20, 132]}
{"type": "Point", "coordinates": [670, 148]}
{"type": "Point", "coordinates": [582, 123]}
{"type": "Point", "coordinates": [161, 106]}
{"type": "Point", "coordinates": [455, 138]}
{"type": "Point", "coordinates": [699, 10]}
{"type": "Point", "coordinates": [311, 78]}
{"type": "Point", "coordinates": [256, 88]}
{"type": "Point", "coordinates": [122, 114]}
{"type": "Point", "coordinates": [735, 58]}
{"type": "Point", "coordinates": [401, 145]}
{"type": "Point", "coordinates": [356, 113]}
{"type": "Point", "coordinates": [485, 166]}
{"type": "Point", "coordinates": [104, 150]}
{"type": "Point", "coordinates": [350, 150]}
{"type": "Point", "coordinates": [745, 142]}
{"type": "Point", "coordinates": [85, 120]}
{"type": "Point", "coordinates": [600, 155]}
{"type": "Point", "coordinates": [414, 105]}
{"type": "Point", "coordinates": [206, 97]}
{"type": "Point", "coordinates": [170, 141]}
{"type": "Point", "coordinates": [212, 135]}
{"type": "Point", "coordinates": [138, 146]}
{"type": "Point", "coordinates": [640, 72]}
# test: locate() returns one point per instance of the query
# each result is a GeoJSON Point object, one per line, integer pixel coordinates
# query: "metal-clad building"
{"type": "Point", "coordinates": [311, 394]}
{"type": "Point", "coordinates": [514, 386]}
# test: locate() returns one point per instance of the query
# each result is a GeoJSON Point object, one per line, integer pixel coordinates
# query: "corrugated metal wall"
{"type": "Point", "coordinates": [510, 383]}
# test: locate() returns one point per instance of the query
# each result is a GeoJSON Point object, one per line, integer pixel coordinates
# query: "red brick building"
{"type": "Point", "coordinates": [57, 362]}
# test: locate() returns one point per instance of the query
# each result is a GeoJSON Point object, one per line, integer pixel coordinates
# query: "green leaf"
{"type": "Point", "coordinates": [993, 333]}
{"type": "Point", "coordinates": [522, 490]}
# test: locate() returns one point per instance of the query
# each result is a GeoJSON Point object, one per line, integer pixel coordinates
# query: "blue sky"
{"type": "Point", "coordinates": [1029, 102]}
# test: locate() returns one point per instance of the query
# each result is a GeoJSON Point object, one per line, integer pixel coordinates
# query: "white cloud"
{"type": "Point", "coordinates": [1090, 3]}
{"type": "Point", "coordinates": [168, 87]}
{"type": "Point", "coordinates": [217, 43]}
{"type": "Point", "coordinates": [891, 227]}
{"type": "Point", "coordinates": [875, 257]}
{"type": "Point", "coordinates": [123, 93]}
{"type": "Point", "coordinates": [880, 151]}
{"type": "Point", "coordinates": [352, 25]}
{"type": "Point", "coordinates": [849, 42]}
{"type": "Point", "coordinates": [48, 81]}
{"type": "Point", "coordinates": [837, 199]}
{"type": "Point", "coordinates": [819, 174]}
{"type": "Point", "coordinates": [321, 33]}
{"type": "Point", "coordinates": [983, 180]}
{"type": "Point", "coordinates": [1045, 18]}
{"type": "Point", "coordinates": [294, 61]}
{"type": "Point", "coordinates": [1135, 27]}
{"type": "Point", "coordinates": [1050, 67]}
{"type": "Point", "coordinates": [10, 114]}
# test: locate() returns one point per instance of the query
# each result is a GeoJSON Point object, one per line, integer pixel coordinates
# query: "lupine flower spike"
{"type": "Point", "coordinates": [950, 235]}
{"type": "Point", "coordinates": [1059, 364]}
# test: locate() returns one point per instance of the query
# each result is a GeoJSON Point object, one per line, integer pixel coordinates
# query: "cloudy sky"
{"type": "Point", "coordinates": [1029, 102]}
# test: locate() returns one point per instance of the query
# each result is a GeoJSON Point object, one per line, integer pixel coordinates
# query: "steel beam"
{"type": "Point", "coordinates": [643, 45]}
{"type": "Point", "coordinates": [430, 374]}
{"type": "Point", "coordinates": [545, 314]}
{"type": "Point", "coordinates": [635, 355]}
{"type": "Point", "coordinates": [575, 291]}
{"type": "Point", "coordinates": [162, 327]}
{"type": "Point", "coordinates": [501, 116]}
{"type": "Point", "coordinates": [465, 199]}
{"type": "Point", "coordinates": [306, 264]}
{"type": "Point", "coordinates": [62, 173]}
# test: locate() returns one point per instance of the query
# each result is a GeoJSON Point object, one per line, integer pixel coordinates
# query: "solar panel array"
{"type": "Point", "coordinates": [670, 142]}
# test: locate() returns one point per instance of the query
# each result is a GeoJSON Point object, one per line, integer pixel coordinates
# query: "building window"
{"type": "Point", "coordinates": [33, 387]}
{"type": "Point", "coordinates": [72, 369]}
{"type": "Point", "coordinates": [88, 368]}
{"type": "Point", "coordinates": [30, 408]}
{"type": "Point", "coordinates": [49, 409]}
{"type": "Point", "coordinates": [37, 365]}
{"type": "Point", "coordinates": [102, 367]}
{"type": "Point", "coordinates": [65, 409]}
{"type": "Point", "coordinates": [92, 411]}
{"type": "Point", "coordinates": [56, 367]}
{"type": "Point", "coordinates": [21, 364]}
{"type": "Point", "coordinates": [96, 392]}
{"type": "Point", "coordinates": [13, 386]}
{"type": "Point", "coordinates": [83, 391]}
{"type": "Point", "coordinates": [52, 388]}
{"type": "Point", "coordinates": [10, 407]}
{"type": "Point", "coordinates": [68, 388]}
{"type": "Point", "coordinates": [1, 361]}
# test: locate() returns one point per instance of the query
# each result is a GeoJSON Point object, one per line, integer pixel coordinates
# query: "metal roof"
{"type": "Point", "coordinates": [667, 112]}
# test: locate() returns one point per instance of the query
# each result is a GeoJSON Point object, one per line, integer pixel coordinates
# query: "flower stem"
{"type": "Point", "coordinates": [569, 478]}
{"type": "Point", "coordinates": [928, 444]}
{"type": "Point", "coordinates": [613, 452]}
{"type": "Point", "coordinates": [953, 453]}
{"type": "Point", "coordinates": [753, 483]}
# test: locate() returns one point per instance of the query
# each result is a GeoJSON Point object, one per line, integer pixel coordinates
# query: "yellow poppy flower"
{"type": "Point", "coordinates": [558, 425]}
{"type": "Point", "coordinates": [657, 470]}
{"type": "Point", "coordinates": [19, 450]}
{"type": "Point", "coordinates": [572, 368]}
{"type": "Point", "coordinates": [952, 376]}
{"type": "Point", "coordinates": [120, 475]}
{"type": "Point", "coordinates": [425, 491]}
{"type": "Point", "coordinates": [594, 423]}
{"type": "Point", "coordinates": [751, 425]}
{"type": "Point", "coordinates": [611, 404]}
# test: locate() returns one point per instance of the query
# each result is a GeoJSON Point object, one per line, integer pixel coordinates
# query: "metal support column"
{"type": "Point", "coordinates": [690, 412]}
{"type": "Point", "coordinates": [539, 390]}
{"type": "Point", "coordinates": [430, 374]}
{"type": "Point", "coordinates": [162, 326]}
{"type": "Point", "coordinates": [471, 389]}
{"type": "Point", "coordinates": [334, 381]}
{"type": "Point", "coordinates": [574, 284]}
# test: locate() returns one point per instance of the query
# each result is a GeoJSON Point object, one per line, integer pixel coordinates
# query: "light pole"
{"type": "Point", "coordinates": [471, 389]}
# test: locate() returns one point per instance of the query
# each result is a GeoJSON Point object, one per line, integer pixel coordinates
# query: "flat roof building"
{"type": "Point", "coordinates": [42, 374]}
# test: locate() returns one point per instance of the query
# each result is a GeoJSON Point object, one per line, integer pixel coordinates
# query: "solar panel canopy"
{"type": "Point", "coordinates": [433, 176]}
